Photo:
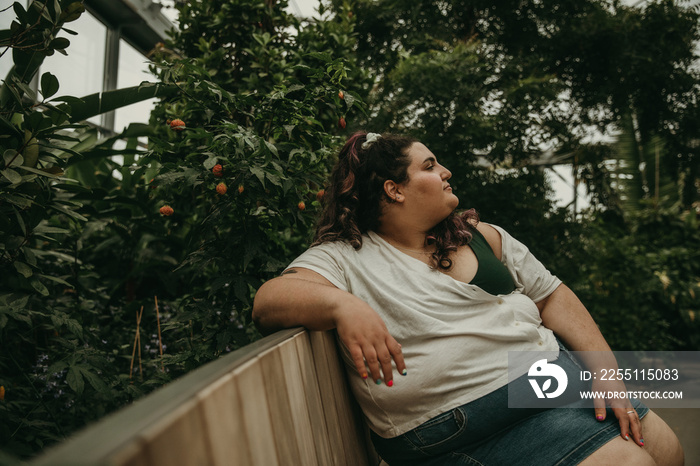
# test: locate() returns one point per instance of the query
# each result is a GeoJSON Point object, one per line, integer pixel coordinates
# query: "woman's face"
{"type": "Point", "coordinates": [427, 193]}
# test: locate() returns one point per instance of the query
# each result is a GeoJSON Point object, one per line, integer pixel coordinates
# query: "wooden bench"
{"type": "Point", "coordinates": [282, 400]}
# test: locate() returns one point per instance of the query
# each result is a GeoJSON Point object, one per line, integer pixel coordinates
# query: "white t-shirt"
{"type": "Point", "coordinates": [455, 337]}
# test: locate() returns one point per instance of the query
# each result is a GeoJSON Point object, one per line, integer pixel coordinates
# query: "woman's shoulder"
{"type": "Point", "coordinates": [493, 237]}
{"type": "Point", "coordinates": [341, 245]}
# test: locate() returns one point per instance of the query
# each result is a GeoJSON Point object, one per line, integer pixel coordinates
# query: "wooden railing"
{"type": "Point", "coordinates": [280, 401]}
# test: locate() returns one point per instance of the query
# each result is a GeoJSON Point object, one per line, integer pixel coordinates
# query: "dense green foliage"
{"type": "Point", "coordinates": [260, 105]}
{"type": "Point", "coordinates": [55, 371]}
{"type": "Point", "coordinates": [498, 91]}
{"type": "Point", "coordinates": [105, 295]}
{"type": "Point", "coordinates": [121, 269]}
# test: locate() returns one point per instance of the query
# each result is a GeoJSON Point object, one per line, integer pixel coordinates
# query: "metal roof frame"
{"type": "Point", "coordinates": [139, 22]}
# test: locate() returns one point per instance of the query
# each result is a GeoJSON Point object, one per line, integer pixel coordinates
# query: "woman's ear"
{"type": "Point", "coordinates": [393, 191]}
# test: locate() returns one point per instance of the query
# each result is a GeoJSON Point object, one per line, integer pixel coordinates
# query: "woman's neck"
{"type": "Point", "coordinates": [404, 238]}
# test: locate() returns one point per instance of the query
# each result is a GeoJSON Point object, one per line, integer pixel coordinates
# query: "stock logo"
{"type": "Point", "coordinates": [543, 369]}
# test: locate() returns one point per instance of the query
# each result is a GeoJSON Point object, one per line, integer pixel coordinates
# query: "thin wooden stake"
{"type": "Point", "coordinates": [160, 341]}
{"type": "Point", "coordinates": [136, 340]}
{"type": "Point", "coordinates": [138, 337]}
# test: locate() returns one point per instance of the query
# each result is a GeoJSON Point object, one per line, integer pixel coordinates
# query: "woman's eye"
{"type": "Point", "coordinates": [430, 167]}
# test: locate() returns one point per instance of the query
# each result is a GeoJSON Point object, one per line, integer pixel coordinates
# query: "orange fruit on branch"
{"type": "Point", "coordinates": [166, 211]}
{"type": "Point", "coordinates": [177, 125]}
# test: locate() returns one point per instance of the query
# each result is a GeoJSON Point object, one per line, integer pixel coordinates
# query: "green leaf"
{"type": "Point", "coordinates": [274, 179]}
{"type": "Point", "coordinates": [49, 85]}
{"type": "Point", "coordinates": [96, 381]}
{"type": "Point", "coordinates": [259, 173]}
{"type": "Point", "coordinates": [294, 152]}
{"type": "Point", "coordinates": [29, 256]}
{"type": "Point", "coordinates": [75, 380]}
{"type": "Point", "coordinates": [294, 87]}
{"type": "Point", "coordinates": [41, 228]}
{"type": "Point", "coordinates": [20, 220]}
{"type": "Point", "coordinates": [18, 200]}
{"type": "Point", "coordinates": [15, 302]}
{"type": "Point", "coordinates": [39, 287]}
{"type": "Point", "coordinates": [67, 211]}
{"type": "Point", "coordinates": [11, 175]}
{"type": "Point", "coordinates": [41, 8]}
{"type": "Point", "coordinates": [7, 126]}
{"type": "Point", "coordinates": [272, 148]}
{"type": "Point", "coordinates": [23, 268]}
{"type": "Point", "coordinates": [20, 12]}
{"type": "Point", "coordinates": [12, 158]}
{"type": "Point", "coordinates": [56, 279]}
{"type": "Point", "coordinates": [96, 104]}
{"type": "Point", "coordinates": [24, 87]}
{"type": "Point", "coordinates": [56, 367]}
{"type": "Point", "coordinates": [168, 178]}
{"type": "Point", "coordinates": [210, 162]}
{"type": "Point", "coordinates": [59, 43]}
{"type": "Point", "coordinates": [71, 13]}
{"type": "Point", "coordinates": [349, 100]}
{"type": "Point", "coordinates": [37, 121]}
{"type": "Point", "coordinates": [74, 327]}
{"type": "Point", "coordinates": [39, 172]}
{"type": "Point", "coordinates": [60, 255]}
{"type": "Point", "coordinates": [74, 188]}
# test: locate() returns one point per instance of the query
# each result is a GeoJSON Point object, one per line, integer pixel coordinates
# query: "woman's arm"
{"type": "Point", "coordinates": [301, 297]}
{"type": "Point", "coordinates": [564, 314]}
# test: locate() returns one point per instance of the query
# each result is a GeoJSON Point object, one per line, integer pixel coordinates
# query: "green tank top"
{"type": "Point", "coordinates": [491, 275]}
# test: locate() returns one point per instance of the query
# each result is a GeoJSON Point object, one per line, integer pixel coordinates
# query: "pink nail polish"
{"type": "Point", "coordinates": [600, 417]}
{"type": "Point", "coordinates": [390, 383]}
{"type": "Point", "coordinates": [364, 375]}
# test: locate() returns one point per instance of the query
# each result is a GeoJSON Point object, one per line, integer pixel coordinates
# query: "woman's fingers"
{"type": "Point", "coordinates": [397, 354]}
{"type": "Point", "coordinates": [380, 359]}
{"type": "Point", "coordinates": [372, 361]}
{"type": "Point", "coordinates": [387, 368]}
{"type": "Point", "coordinates": [599, 405]}
{"type": "Point", "coordinates": [372, 349]}
{"type": "Point", "coordinates": [376, 361]}
{"type": "Point", "coordinates": [630, 425]}
{"type": "Point", "coordinates": [635, 426]}
{"type": "Point", "coordinates": [359, 361]}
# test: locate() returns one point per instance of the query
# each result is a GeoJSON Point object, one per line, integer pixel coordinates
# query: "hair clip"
{"type": "Point", "coordinates": [371, 138]}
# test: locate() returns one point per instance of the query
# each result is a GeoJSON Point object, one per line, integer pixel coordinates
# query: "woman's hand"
{"type": "Point", "coordinates": [301, 297]}
{"type": "Point", "coordinates": [563, 313]}
{"type": "Point", "coordinates": [630, 424]}
{"type": "Point", "coordinates": [367, 339]}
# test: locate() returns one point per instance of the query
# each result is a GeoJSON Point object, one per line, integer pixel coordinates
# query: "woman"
{"type": "Point", "coordinates": [391, 263]}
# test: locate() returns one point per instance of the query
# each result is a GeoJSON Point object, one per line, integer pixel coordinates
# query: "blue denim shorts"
{"type": "Point", "coordinates": [487, 432]}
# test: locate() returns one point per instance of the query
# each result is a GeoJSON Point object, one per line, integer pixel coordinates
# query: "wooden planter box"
{"type": "Point", "coordinates": [282, 400]}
